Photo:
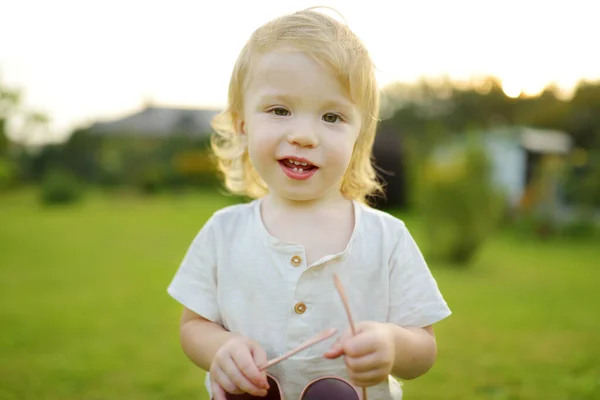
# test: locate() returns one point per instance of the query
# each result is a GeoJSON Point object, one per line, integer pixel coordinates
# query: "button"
{"type": "Point", "coordinates": [296, 261]}
{"type": "Point", "coordinates": [300, 308]}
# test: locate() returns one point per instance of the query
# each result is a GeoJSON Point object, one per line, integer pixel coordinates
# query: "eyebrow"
{"type": "Point", "coordinates": [275, 96]}
{"type": "Point", "coordinates": [337, 102]}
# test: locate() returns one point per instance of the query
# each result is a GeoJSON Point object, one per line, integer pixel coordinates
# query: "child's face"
{"type": "Point", "coordinates": [296, 109]}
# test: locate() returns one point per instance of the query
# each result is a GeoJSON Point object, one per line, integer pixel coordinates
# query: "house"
{"type": "Point", "coordinates": [526, 162]}
{"type": "Point", "coordinates": [158, 122]}
{"type": "Point", "coordinates": [153, 147]}
{"type": "Point", "coordinates": [523, 159]}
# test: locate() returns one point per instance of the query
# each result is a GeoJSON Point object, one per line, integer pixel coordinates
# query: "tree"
{"type": "Point", "coordinates": [9, 101]}
{"type": "Point", "coordinates": [14, 157]}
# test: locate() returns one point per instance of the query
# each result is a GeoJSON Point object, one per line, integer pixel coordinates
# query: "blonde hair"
{"type": "Point", "coordinates": [334, 45]}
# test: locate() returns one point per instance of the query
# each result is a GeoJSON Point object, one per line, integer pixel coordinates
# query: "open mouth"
{"type": "Point", "coordinates": [297, 169]}
{"type": "Point", "coordinates": [297, 166]}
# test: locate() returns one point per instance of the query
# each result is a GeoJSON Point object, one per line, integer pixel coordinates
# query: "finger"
{"type": "Point", "coordinates": [259, 355]}
{"type": "Point", "coordinates": [244, 362]}
{"type": "Point", "coordinates": [334, 352]}
{"type": "Point", "coordinates": [363, 326]}
{"type": "Point", "coordinates": [364, 363]}
{"type": "Point", "coordinates": [337, 348]}
{"type": "Point", "coordinates": [345, 336]}
{"type": "Point", "coordinates": [218, 393]}
{"type": "Point", "coordinates": [360, 345]}
{"type": "Point", "coordinates": [368, 378]}
{"type": "Point", "coordinates": [222, 380]}
{"type": "Point", "coordinates": [238, 378]}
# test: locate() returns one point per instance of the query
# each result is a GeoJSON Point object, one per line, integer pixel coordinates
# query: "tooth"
{"type": "Point", "coordinates": [300, 170]}
{"type": "Point", "coordinates": [295, 169]}
{"type": "Point", "coordinates": [296, 162]}
{"type": "Point", "coordinates": [304, 164]}
{"type": "Point", "coordinates": [291, 161]}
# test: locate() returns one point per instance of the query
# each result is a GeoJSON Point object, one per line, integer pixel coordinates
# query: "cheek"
{"type": "Point", "coordinates": [262, 147]}
{"type": "Point", "coordinates": [260, 144]}
{"type": "Point", "coordinates": [262, 129]}
{"type": "Point", "coordinates": [258, 136]}
{"type": "Point", "coordinates": [341, 149]}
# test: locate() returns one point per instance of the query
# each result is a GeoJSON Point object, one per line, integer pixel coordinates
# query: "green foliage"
{"type": "Point", "coordinates": [10, 99]}
{"type": "Point", "coordinates": [580, 228]}
{"type": "Point", "coordinates": [3, 138]}
{"type": "Point", "coordinates": [7, 173]}
{"type": "Point", "coordinates": [60, 187]}
{"type": "Point", "coordinates": [459, 204]}
{"type": "Point", "coordinates": [583, 193]}
{"type": "Point", "coordinates": [150, 180]}
{"type": "Point", "coordinates": [150, 165]}
{"type": "Point", "coordinates": [583, 185]}
{"type": "Point", "coordinates": [541, 205]}
{"type": "Point", "coordinates": [434, 111]}
{"type": "Point", "coordinates": [457, 107]}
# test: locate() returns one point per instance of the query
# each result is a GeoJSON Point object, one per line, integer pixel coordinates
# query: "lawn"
{"type": "Point", "coordinates": [84, 312]}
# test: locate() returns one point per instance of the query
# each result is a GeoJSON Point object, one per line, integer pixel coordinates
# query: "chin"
{"type": "Point", "coordinates": [294, 193]}
{"type": "Point", "coordinates": [299, 196]}
{"type": "Point", "coordinates": [303, 195]}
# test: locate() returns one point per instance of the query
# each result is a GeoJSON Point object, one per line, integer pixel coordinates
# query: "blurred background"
{"type": "Point", "coordinates": [489, 145]}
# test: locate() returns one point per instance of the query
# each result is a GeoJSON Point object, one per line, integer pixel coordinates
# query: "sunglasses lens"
{"type": "Point", "coordinates": [330, 389]}
{"type": "Point", "coordinates": [272, 393]}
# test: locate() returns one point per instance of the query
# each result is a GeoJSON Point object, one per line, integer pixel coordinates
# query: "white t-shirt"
{"type": "Point", "coordinates": [237, 275]}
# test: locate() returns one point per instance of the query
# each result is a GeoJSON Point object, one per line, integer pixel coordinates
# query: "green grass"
{"type": "Point", "coordinates": [84, 312]}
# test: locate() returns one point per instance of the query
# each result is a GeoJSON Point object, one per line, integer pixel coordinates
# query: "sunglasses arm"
{"type": "Point", "coordinates": [319, 337]}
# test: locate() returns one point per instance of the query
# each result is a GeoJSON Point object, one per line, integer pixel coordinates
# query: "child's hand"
{"type": "Point", "coordinates": [369, 356]}
{"type": "Point", "coordinates": [235, 369]}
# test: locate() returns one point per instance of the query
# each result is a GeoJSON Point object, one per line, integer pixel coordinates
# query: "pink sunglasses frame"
{"type": "Point", "coordinates": [319, 337]}
{"type": "Point", "coordinates": [307, 387]}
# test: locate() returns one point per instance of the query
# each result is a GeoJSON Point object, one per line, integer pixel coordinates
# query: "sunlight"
{"type": "Point", "coordinates": [533, 90]}
{"type": "Point", "coordinates": [511, 88]}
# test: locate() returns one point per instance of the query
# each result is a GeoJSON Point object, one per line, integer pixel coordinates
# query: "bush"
{"type": "Point", "coordinates": [583, 183]}
{"type": "Point", "coordinates": [150, 180]}
{"type": "Point", "coordinates": [60, 187]}
{"type": "Point", "coordinates": [580, 228]}
{"type": "Point", "coordinates": [195, 167]}
{"type": "Point", "coordinates": [459, 205]}
{"type": "Point", "coordinates": [7, 174]}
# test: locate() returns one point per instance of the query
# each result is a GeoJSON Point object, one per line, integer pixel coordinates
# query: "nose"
{"type": "Point", "coordinates": [303, 133]}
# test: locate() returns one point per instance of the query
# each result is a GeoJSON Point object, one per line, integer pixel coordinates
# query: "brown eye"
{"type": "Point", "coordinates": [331, 118]}
{"type": "Point", "coordinates": [280, 112]}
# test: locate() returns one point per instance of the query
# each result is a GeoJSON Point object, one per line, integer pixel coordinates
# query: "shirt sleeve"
{"type": "Point", "coordinates": [195, 282]}
{"type": "Point", "coordinates": [415, 299]}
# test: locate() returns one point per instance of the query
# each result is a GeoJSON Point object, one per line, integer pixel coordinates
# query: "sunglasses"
{"type": "Point", "coordinates": [323, 388]}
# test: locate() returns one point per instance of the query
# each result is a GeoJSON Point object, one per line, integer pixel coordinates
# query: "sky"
{"type": "Point", "coordinates": [84, 61]}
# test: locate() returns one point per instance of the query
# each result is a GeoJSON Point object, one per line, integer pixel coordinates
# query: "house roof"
{"type": "Point", "coordinates": [159, 122]}
{"type": "Point", "coordinates": [546, 141]}
{"type": "Point", "coordinates": [533, 140]}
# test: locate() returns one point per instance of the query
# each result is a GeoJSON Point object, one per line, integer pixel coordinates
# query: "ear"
{"type": "Point", "coordinates": [238, 124]}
